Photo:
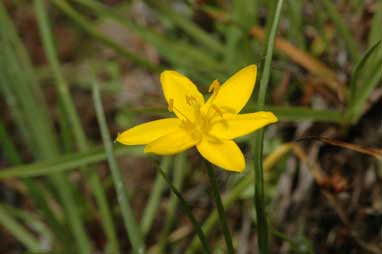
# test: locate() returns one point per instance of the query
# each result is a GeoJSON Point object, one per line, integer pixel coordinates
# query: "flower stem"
{"type": "Point", "coordinates": [187, 210]}
{"type": "Point", "coordinates": [220, 208]}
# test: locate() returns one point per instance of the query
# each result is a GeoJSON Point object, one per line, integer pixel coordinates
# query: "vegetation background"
{"type": "Point", "coordinates": [74, 73]}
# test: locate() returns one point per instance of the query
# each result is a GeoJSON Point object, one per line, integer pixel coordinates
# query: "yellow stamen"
{"type": "Point", "coordinates": [214, 87]}
{"type": "Point", "coordinates": [191, 100]}
{"type": "Point", "coordinates": [172, 108]}
{"type": "Point", "coordinates": [171, 105]}
{"type": "Point", "coordinates": [217, 110]}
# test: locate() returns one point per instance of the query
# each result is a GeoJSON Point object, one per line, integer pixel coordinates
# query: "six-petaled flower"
{"type": "Point", "coordinates": [209, 125]}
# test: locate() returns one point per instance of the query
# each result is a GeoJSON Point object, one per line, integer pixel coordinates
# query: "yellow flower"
{"type": "Point", "coordinates": [210, 126]}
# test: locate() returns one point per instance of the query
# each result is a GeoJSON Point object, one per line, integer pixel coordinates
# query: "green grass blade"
{"type": "Point", "coordinates": [193, 60]}
{"type": "Point", "coordinates": [127, 212]}
{"type": "Point", "coordinates": [33, 221]}
{"type": "Point", "coordinates": [358, 68]}
{"type": "Point", "coordinates": [66, 194]}
{"type": "Point", "coordinates": [66, 162]}
{"type": "Point", "coordinates": [71, 116]}
{"type": "Point", "coordinates": [8, 148]}
{"type": "Point", "coordinates": [194, 31]}
{"type": "Point", "coordinates": [13, 105]}
{"type": "Point", "coordinates": [295, 113]}
{"type": "Point", "coordinates": [28, 94]}
{"type": "Point", "coordinates": [70, 112]}
{"type": "Point", "coordinates": [235, 192]}
{"type": "Point", "coordinates": [187, 210]}
{"type": "Point", "coordinates": [19, 232]}
{"type": "Point", "coordinates": [295, 11]}
{"type": "Point", "coordinates": [375, 29]}
{"type": "Point", "coordinates": [154, 199]}
{"type": "Point", "coordinates": [105, 214]}
{"type": "Point", "coordinates": [259, 202]}
{"type": "Point", "coordinates": [34, 189]}
{"type": "Point", "coordinates": [180, 170]}
{"type": "Point", "coordinates": [343, 30]}
{"type": "Point", "coordinates": [234, 38]}
{"type": "Point", "coordinates": [220, 208]}
{"type": "Point", "coordinates": [244, 13]}
{"type": "Point", "coordinates": [86, 26]}
{"type": "Point", "coordinates": [356, 108]}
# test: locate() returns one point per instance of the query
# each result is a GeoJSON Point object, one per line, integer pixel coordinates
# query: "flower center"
{"type": "Point", "coordinates": [203, 114]}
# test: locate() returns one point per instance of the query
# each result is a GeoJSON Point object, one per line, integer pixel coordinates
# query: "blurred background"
{"type": "Point", "coordinates": [58, 179]}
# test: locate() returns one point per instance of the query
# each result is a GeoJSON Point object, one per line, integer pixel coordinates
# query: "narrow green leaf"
{"type": "Point", "coordinates": [8, 148]}
{"type": "Point", "coordinates": [86, 26]}
{"type": "Point", "coordinates": [28, 95]}
{"type": "Point", "coordinates": [358, 68]}
{"type": "Point", "coordinates": [343, 30]}
{"type": "Point", "coordinates": [187, 210]}
{"type": "Point", "coordinates": [154, 199]}
{"type": "Point", "coordinates": [220, 208]}
{"type": "Point", "coordinates": [295, 11]}
{"type": "Point", "coordinates": [127, 212]}
{"type": "Point", "coordinates": [64, 163]}
{"type": "Point", "coordinates": [298, 114]}
{"type": "Point", "coordinates": [193, 60]}
{"type": "Point", "coordinates": [236, 191]}
{"type": "Point", "coordinates": [180, 170]}
{"type": "Point", "coordinates": [375, 29]}
{"type": "Point", "coordinates": [71, 118]}
{"type": "Point", "coordinates": [18, 231]}
{"type": "Point", "coordinates": [356, 108]}
{"type": "Point", "coordinates": [259, 202]}
{"type": "Point", "coordinates": [194, 31]}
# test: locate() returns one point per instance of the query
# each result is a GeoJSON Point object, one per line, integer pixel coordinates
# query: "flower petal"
{"type": "Point", "coordinates": [147, 132]}
{"type": "Point", "coordinates": [232, 126]}
{"type": "Point", "coordinates": [236, 91]}
{"type": "Point", "coordinates": [183, 92]}
{"type": "Point", "coordinates": [223, 153]}
{"type": "Point", "coordinates": [175, 142]}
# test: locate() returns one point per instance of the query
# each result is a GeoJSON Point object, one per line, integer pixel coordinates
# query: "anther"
{"type": "Point", "coordinates": [171, 105]}
{"type": "Point", "coordinates": [172, 108]}
{"type": "Point", "coordinates": [214, 87]}
{"type": "Point", "coordinates": [190, 100]}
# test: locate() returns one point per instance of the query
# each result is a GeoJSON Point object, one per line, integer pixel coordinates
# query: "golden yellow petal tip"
{"type": "Point", "coordinates": [274, 118]}
{"type": "Point", "coordinates": [147, 149]}
{"type": "Point", "coordinates": [238, 169]}
{"type": "Point", "coordinates": [119, 138]}
{"type": "Point", "coordinates": [251, 66]}
{"type": "Point", "coordinates": [116, 139]}
{"type": "Point", "coordinates": [241, 169]}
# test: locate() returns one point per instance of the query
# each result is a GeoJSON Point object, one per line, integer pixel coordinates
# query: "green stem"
{"type": "Point", "coordinates": [220, 208]}
{"type": "Point", "coordinates": [180, 170]}
{"type": "Point", "coordinates": [262, 224]}
{"type": "Point", "coordinates": [187, 210]}
{"type": "Point", "coordinates": [262, 233]}
{"type": "Point", "coordinates": [154, 199]}
{"type": "Point", "coordinates": [235, 192]}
